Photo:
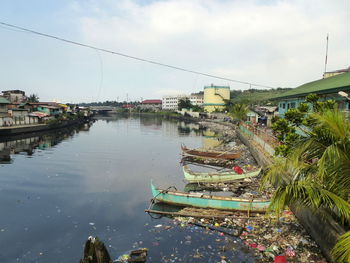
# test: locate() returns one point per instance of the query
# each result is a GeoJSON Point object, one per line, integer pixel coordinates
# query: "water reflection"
{"type": "Point", "coordinates": [28, 143]}
{"type": "Point", "coordinates": [97, 183]}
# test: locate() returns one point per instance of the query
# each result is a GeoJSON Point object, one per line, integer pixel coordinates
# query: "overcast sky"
{"type": "Point", "coordinates": [273, 43]}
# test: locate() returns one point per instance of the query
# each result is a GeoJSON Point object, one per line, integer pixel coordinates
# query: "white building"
{"type": "Point", "coordinates": [197, 99]}
{"type": "Point", "coordinates": [172, 102]}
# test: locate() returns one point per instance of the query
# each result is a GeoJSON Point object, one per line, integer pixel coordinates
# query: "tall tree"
{"type": "Point", "coordinates": [184, 104]}
{"type": "Point", "coordinates": [33, 98]}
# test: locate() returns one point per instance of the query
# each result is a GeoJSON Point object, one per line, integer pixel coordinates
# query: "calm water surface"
{"type": "Point", "coordinates": [60, 188]}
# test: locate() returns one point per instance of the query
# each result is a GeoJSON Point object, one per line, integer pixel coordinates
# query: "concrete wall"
{"type": "Point", "coordinates": [17, 121]}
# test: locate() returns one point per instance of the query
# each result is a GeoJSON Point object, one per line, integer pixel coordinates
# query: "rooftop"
{"type": "Point", "coordinates": [152, 102]}
{"type": "Point", "coordinates": [333, 84]}
{"type": "Point", "coordinates": [4, 101]}
{"type": "Point", "coordinates": [340, 70]}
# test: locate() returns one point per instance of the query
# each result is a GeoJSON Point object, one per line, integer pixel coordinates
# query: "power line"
{"type": "Point", "coordinates": [129, 56]}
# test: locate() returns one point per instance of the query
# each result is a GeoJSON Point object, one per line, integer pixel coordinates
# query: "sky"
{"type": "Point", "coordinates": [271, 42]}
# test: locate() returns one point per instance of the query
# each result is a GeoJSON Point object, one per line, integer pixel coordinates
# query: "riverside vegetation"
{"type": "Point", "coordinates": [312, 166]}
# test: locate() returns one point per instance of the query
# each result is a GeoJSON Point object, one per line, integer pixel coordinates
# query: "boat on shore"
{"type": "Point", "coordinates": [210, 154]}
{"type": "Point", "coordinates": [216, 177]}
{"type": "Point", "coordinates": [209, 201]}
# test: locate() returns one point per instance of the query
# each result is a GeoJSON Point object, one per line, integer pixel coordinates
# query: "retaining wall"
{"type": "Point", "coordinates": [323, 229]}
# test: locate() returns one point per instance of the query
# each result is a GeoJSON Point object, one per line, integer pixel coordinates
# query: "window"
{"type": "Point", "coordinates": [292, 105]}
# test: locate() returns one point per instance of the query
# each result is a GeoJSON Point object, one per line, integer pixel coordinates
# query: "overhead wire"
{"type": "Point", "coordinates": [130, 56]}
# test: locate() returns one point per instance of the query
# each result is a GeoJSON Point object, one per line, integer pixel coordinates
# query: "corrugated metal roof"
{"type": "Point", "coordinates": [322, 86]}
{"type": "Point", "coordinates": [4, 101]}
{"type": "Point", "coordinates": [152, 102]}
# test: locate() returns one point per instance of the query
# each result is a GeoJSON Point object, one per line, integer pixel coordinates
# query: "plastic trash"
{"type": "Point", "coordinates": [280, 259]}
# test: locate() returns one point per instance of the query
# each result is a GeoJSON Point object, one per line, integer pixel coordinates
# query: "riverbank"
{"type": "Point", "coordinates": [270, 236]}
{"type": "Point", "coordinates": [22, 129]}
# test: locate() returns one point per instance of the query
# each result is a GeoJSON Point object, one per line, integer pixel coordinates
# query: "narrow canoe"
{"type": "Point", "coordinates": [215, 177]}
{"type": "Point", "coordinates": [208, 201]}
{"type": "Point", "coordinates": [210, 154]}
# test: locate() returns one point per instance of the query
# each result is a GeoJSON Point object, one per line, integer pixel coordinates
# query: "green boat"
{"type": "Point", "coordinates": [209, 201]}
{"type": "Point", "coordinates": [215, 177]}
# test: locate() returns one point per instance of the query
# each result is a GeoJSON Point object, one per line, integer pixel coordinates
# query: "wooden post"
{"type": "Point", "coordinates": [95, 252]}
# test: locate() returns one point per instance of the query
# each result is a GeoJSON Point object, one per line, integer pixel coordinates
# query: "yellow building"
{"type": "Point", "coordinates": [215, 96]}
{"type": "Point", "coordinates": [336, 72]}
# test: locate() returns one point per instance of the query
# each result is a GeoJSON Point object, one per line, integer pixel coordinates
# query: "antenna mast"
{"type": "Point", "coordinates": [325, 63]}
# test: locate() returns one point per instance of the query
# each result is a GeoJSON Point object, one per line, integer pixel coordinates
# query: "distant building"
{"type": "Point", "coordinates": [326, 88]}
{"type": "Point", "coordinates": [196, 99]}
{"type": "Point", "coordinates": [151, 104]}
{"type": "Point", "coordinates": [172, 102]}
{"type": "Point", "coordinates": [3, 106]}
{"type": "Point", "coordinates": [128, 106]}
{"type": "Point", "coordinates": [336, 72]}
{"type": "Point", "coordinates": [215, 96]}
{"type": "Point", "coordinates": [15, 96]}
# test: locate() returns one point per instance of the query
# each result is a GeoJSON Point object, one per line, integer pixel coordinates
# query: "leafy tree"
{"type": "Point", "coordinates": [313, 168]}
{"type": "Point", "coordinates": [298, 121]}
{"type": "Point", "coordinates": [184, 104]}
{"type": "Point", "coordinates": [239, 111]}
{"type": "Point", "coordinates": [197, 108]}
{"type": "Point", "coordinates": [33, 98]}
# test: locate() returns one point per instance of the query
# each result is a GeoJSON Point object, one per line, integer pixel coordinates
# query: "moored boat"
{"type": "Point", "coordinates": [210, 154]}
{"type": "Point", "coordinates": [216, 177]}
{"type": "Point", "coordinates": [209, 201]}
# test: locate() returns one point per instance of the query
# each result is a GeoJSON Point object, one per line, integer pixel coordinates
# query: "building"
{"type": "Point", "coordinates": [336, 72]}
{"type": "Point", "coordinates": [326, 88]}
{"type": "Point", "coordinates": [197, 99]}
{"type": "Point", "coordinates": [215, 96]}
{"type": "Point", "coordinates": [15, 96]}
{"type": "Point", "coordinates": [3, 106]}
{"type": "Point", "coordinates": [172, 102]}
{"type": "Point", "coordinates": [151, 105]}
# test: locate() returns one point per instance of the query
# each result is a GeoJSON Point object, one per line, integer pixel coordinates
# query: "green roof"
{"type": "Point", "coordinates": [333, 84]}
{"type": "Point", "coordinates": [4, 101]}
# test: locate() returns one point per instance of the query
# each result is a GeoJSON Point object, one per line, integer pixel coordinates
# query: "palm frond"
{"type": "Point", "coordinates": [341, 251]}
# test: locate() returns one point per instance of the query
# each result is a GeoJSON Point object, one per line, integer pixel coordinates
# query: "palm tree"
{"type": "Point", "coordinates": [316, 173]}
{"type": "Point", "coordinates": [239, 111]}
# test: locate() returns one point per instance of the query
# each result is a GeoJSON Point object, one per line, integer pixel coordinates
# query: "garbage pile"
{"type": "Point", "coordinates": [269, 238]}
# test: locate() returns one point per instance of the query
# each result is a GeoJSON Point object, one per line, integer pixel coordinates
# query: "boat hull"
{"type": "Point", "coordinates": [201, 177]}
{"type": "Point", "coordinates": [214, 155]}
{"type": "Point", "coordinates": [206, 201]}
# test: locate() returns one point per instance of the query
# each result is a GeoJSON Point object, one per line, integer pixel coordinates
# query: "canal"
{"type": "Point", "coordinates": [56, 189]}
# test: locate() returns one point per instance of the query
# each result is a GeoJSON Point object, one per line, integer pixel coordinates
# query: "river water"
{"type": "Point", "coordinates": [56, 189]}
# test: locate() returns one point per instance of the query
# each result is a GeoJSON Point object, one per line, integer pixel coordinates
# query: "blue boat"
{"type": "Point", "coordinates": [209, 201]}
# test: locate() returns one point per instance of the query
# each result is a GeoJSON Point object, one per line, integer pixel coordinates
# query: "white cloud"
{"type": "Point", "coordinates": [274, 43]}
{"type": "Point", "coordinates": [278, 44]}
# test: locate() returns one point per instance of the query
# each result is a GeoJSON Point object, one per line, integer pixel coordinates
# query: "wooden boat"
{"type": "Point", "coordinates": [215, 177]}
{"type": "Point", "coordinates": [210, 154]}
{"type": "Point", "coordinates": [209, 201]}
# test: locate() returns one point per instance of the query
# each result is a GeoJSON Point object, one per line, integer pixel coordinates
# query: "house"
{"type": "Point", "coordinates": [128, 106]}
{"type": "Point", "coordinates": [15, 96]}
{"type": "Point", "coordinates": [326, 88]}
{"type": "Point", "coordinates": [3, 106]}
{"type": "Point", "coordinates": [151, 104]}
{"type": "Point", "coordinates": [49, 108]}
